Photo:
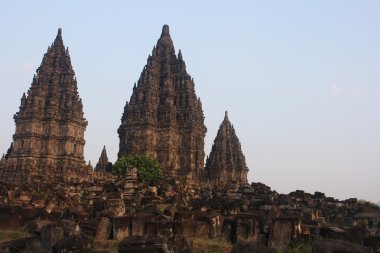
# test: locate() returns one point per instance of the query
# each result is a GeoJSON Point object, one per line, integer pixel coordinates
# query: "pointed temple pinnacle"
{"type": "Point", "coordinates": [180, 54]}
{"type": "Point", "coordinates": [226, 115]}
{"type": "Point", "coordinates": [59, 34]}
{"type": "Point", "coordinates": [165, 31]}
{"type": "Point", "coordinates": [165, 39]}
{"type": "Point", "coordinates": [58, 42]}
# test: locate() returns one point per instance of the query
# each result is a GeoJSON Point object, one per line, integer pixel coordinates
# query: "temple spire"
{"type": "Point", "coordinates": [164, 118]}
{"type": "Point", "coordinates": [226, 163]}
{"type": "Point", "coordinates": [103, 160]}
{"type": "Point", "coordinates": [53, 103]}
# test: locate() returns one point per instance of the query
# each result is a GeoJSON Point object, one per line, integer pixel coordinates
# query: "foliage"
{"type": "Point", "coordinates": [148, 169]}
{"type": "Point", "coordinates": [121, 166]}
{"type": "Point", "coordinates": [365, 202]}
{"type": "Point", "coordinates": [161, 207]}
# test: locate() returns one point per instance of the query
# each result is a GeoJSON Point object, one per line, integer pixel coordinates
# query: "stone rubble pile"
{"type": "Point", "coordinates": [132, 214]}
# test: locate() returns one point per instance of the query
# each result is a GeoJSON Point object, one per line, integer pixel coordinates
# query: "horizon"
{"type": "Point", "coordinates": [300, 81]}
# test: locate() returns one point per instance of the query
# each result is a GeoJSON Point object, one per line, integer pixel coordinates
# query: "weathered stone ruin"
{"type": "Point", "coordinates": [49, 138]}
{"type": "Point", "coordinates": [226, 164]}
{"type": "Point", "coordinates": [63, 205]}
{"type": "Point", "coordinates": [164, 117]}
{"type": "Point", "coordinates": [131, 215]}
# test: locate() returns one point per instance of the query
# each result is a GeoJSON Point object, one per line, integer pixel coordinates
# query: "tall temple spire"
{"type": "Point", "coordinates": [50, 124]}
{"type": "Point", "coordinates": [164, 117]}
{"type": "Point", "coordinates": [226, 162]}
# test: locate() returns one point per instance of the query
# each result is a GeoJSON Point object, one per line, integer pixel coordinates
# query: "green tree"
{"type": "Point", "coordinates": [148, 169]}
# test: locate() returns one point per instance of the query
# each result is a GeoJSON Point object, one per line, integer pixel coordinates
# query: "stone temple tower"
{"type": "Point", "coordinates": [103, 161]}
{"type": "Point", "coordinates": [49, 138]}
{"type": "Point", "coordinates": [164, 117]}
{"type": "Point", "coordinates": [226, 163]}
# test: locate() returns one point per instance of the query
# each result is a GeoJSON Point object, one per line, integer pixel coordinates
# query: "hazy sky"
{"type": "Point", "coordinates": [300, 79]}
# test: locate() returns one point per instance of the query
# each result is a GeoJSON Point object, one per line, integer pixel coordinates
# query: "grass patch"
{"type": "Point", "coordinates": [12, 235]}
{"type": "Point", "coordinates": [161, 207]}
{"type": "Point", "coordinates": [297, 248]}
{"type": "Point", "coordinates": [211, 246]}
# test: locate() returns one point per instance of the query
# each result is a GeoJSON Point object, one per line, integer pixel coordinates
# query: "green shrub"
{"type": "Point", "coordinates": [148, 169]}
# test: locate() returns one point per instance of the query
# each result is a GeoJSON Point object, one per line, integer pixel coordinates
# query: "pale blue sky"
{"type": "Point", "coordinates": [300, 79]}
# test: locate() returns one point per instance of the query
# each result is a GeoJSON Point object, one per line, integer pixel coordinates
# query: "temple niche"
{"type": "Point", "coordinates": [49, 138]}
{"type": "Point", "coordinates": [226, 166]}
{"type": "Point", "coordinates": [164, 117]}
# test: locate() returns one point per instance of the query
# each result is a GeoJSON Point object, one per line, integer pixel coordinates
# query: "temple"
{"type": "Point", "coordinates": [49, 139]}
{"type": "Point", "coordinates": [164, 117]}
{"type": "Point", "coordinates": [226, 163]}
{"type": "Point", "coordinates": [103, 161]}
{"type": "Point", "coordinates": [51, 201]}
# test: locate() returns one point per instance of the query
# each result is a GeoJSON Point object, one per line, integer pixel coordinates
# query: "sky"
{"type": "Point", "coordinates": [300, 79]}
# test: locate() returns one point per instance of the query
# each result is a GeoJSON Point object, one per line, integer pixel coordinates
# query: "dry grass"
{"type": "Point", "coordinates": [109, 245]}
{"type": "Point", "coordinates": [12, 235]}
{"type": "Point", "coordinates": [298, 248]}
{"type": "Point", "coordinates": [211, 246]}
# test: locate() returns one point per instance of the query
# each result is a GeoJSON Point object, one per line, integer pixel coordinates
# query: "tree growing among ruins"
{"type": "Point", "coordinates": [148, 169]}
